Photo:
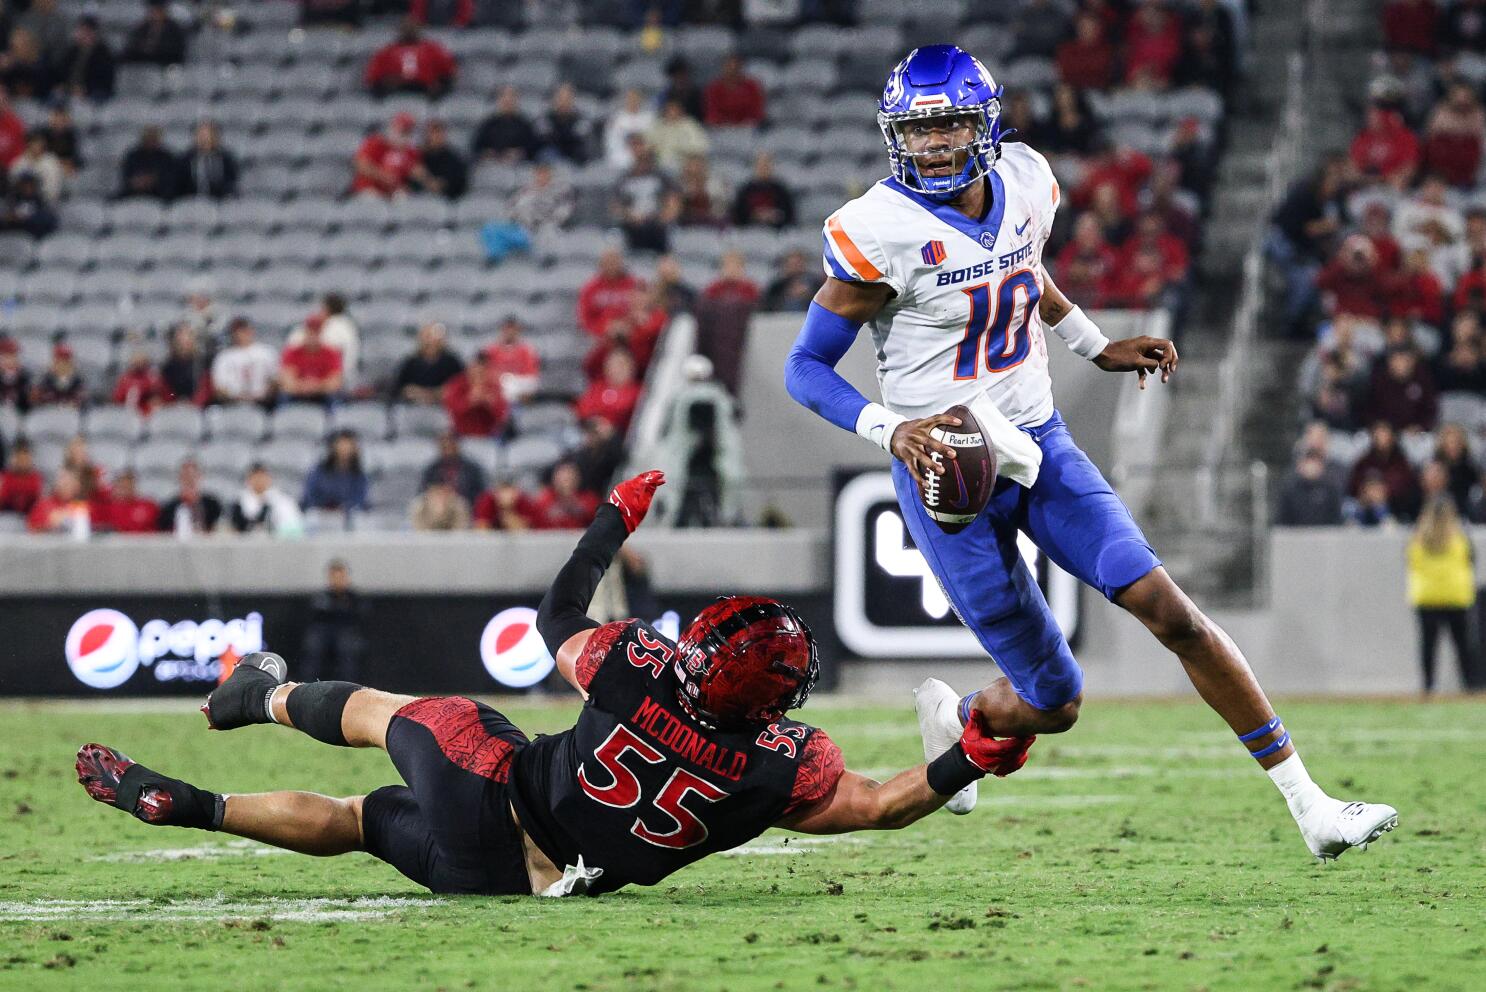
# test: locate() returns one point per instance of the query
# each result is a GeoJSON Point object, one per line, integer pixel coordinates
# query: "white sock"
{"type": "Point", "coordinates": [1294, 783]}
{"type": "Point", "coordinates": [268, 703]}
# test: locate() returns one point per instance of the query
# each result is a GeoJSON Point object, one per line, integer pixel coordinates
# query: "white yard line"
{"type": "Point", "coordinates": [231, 849]}
{"type": "Point", "coordinates": [788, 845]}
{"type": "Point", "coordinates": [219, 907]}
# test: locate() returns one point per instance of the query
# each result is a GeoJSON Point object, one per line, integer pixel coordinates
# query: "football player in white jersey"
{"type": "Point", "coordinates": [944, 261]}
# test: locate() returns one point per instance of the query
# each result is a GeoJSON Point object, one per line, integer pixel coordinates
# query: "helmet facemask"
{"type": "Point", "coordinates": [980, 153]}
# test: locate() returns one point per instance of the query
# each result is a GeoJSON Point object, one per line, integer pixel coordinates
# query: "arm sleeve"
{"type": "Point", "coordinates": [819, 770]}
{"type": "Point", "coordinates": [810, 370]}
{"type": "Point", "coordinates": [596, 650]}
{"type": "Point", "coordinates": [564, 610]}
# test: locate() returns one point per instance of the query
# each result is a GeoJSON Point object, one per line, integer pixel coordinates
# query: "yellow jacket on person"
{"type": "Point", "coordinates": [1442, 581]}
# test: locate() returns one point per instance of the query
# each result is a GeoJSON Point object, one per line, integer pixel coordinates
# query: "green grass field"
{"type": "Point", "coordinates": [1140, 851]}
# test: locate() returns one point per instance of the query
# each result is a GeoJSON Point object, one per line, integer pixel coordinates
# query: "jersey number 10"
{"type": "Point", "coordinates": [1006, 346]}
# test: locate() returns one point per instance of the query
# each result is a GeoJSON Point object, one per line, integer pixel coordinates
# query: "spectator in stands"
{"type": "Point", "coordinates": [1087, 60]}
{"type": "Point", "coordinates": [184, 367]}
{"type": "Point", "coordinates": [1087, 262]}
{"type": "Point", "coordinates": [674, 136]}
{"type": "Point", "coordinates": [1428, 218]}
{"type": "Point", "coordinates": [645, 202]}
{"type": "Point", "coordinates": [90, 477]}
{"type": "Point", "coordinates": [388, 161]}
{"type": "Point", "coordinates": [546, 201]}
{"type": "Point", "coordinates": [23, 69]}
{"type": "Point", "coordinates": [140, 386]}
{"type": "Point", "coordinates": [344, 13]}
{"type": "Point", "coordinates": [1403, 392]}
{"type": "Point", "coordinates": [311, 371]}
{"type": "Point", "coordinates": [61, 383]}
{"type": "Point", "coordinates": [1151, 235]}
{"type": "Point", "coordinates": [1385, 148]}
{"type": "Point", "coordinates": [503, 507]}
{"type": "Point", "coordinates": [190, 510]}
{"type": "Point", "coordinates": [44, 22]}
{"type": "Point", "coordinates": [1153, 44]}
{"type": "Point", "coordinates": [562, 504]}
{"type": "Point", "coordinates": [682, 88]}
{"type": "Point", "coordinates": [439, 507]}
{"type": "Point", "coordinates": [335, 638]}
{"type": "Point", "coordinates": [61, 137]}
{"type": "Point", "coordinates": [1452, 453]}
{"type": "Point", "coordinates": [1415, 291]}
{"type": "Point", "coordinates": [615, 394]}
{"type": "Point", "coordinates": [1352, 283]}
{"type": "Point", "coordinates": [732, 284]}
{"type": "Point", "coordinates": [474, 401]}
{"type": "Point", "coordinates": [1386, 460]}
{"type": "Point", "coordinates": [200, 311]}
{"type": "Point", "coordinates": [38, 161]}
{"type": "Point", "coordinates": [734, 98]}
{"type": "Point", "coordinates": [12, 132]}
{"type": "Point", "coordinates": [449, 172]}
{"type": "Point", "coordinates": [703, 195]}
{"type": "Point", "coordinates": [599, 455]}
{"type": "Point", "coordinates": [337, 332]}
{"type": "Point", "coordinates": [1140, 283]}
{"type": "Point", "coordinates": [1371, 507]}
{"type": "Point", "coordinates": [20, 483]}
{"type": "Point", "coordinates": [15, 380]}
{"type": "Point", "coordinates": [338, 482]}
{"type": "Point", "coordinates": [636, 331]}
{"type": "Point", "coordinates": [452, 467]}
{"type": "Point", "coordinates": [608, 294]}
{"type": "Point", "coordinates": [514, 363]}
{"type": "Point", "coordinates": [25, 209]}
{"type": "Point", "coordinates": [1207, 60]}
{"type": "Point", "coordinates": [59, 511]}
{"type": "Point", "coordinates": [1309, 498]}
{"type": "Point", "coordinates": [411, 63]}
{"type": "Point", "coordinates": [264, 508]}
{"type": "Point", "coordinates": [1070, 128]}
{"type": "Point", "coordinates": [127, 512]}
{"type": "Point", "coordinates": [764, 201]}
{"type": "Point", "coordinates": [794, 285]}
{"type": "Point", "coordinates": [1411, 25]}
{"type": "Point", "coordinates": [1462, 369]}
{"type": "Point", "coordinates": [1442, 580]}
{"type": "Point", "coordinates": [507, 135]}
{"type": "Point", "coordinates": [207, 169]}
{"type": "Point", "coordinates": [1303, 233]}
{"type": "Point", "coordinates": [1038, 26]}
{"type": "Point", "coordinates": [149, 169]}
{"type": "Point", "coordinates": [422, 376]}
{"type": "Point", "coordinates": [1453, 137]}
{"type": "Point", "coordinates": [158, 39]}
{"type": "Point", "coordinates": [1108, 209]}
{"type": "Point", "coordinates": [1465, 27]}
{"type": "Point", "coordinates": [87, 69]}
{"type": "Point", "coordinates": [246, 371]}
{"type": "Point", "coordinates": [1376, 227]}
{"type": "Point", "coordinates": [634, 117]}
{"type": "Point", "coordinates": [563, 132]}
{"type": "Point", "coordinates": [672, 292]}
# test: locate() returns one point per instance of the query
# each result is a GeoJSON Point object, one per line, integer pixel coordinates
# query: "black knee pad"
{"type": "Point", "coordinates": [315, 708]}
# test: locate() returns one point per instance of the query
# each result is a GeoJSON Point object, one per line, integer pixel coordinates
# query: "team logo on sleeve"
{"type": "Point", "coordinates": [933, 252]}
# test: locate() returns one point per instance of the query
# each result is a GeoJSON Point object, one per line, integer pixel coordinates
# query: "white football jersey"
{"type": "Point", "coordinates": [964, 319]}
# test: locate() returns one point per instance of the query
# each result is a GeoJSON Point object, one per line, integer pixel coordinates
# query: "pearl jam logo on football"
{"type": "Point", "coordinates": [105, 648]}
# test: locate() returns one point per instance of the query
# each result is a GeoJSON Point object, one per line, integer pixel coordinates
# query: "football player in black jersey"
{"type": "Point", "coordinates": [682, 749]}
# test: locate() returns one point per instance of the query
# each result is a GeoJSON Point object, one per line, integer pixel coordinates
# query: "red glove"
{"type": "Point", "coordinates": [994, 756]}
{"type": "Point", "coordinates": [633, 496]}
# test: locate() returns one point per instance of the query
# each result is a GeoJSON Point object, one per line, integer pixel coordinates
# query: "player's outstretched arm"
{"type": "Point", "coordinates": [562, 618]}
{"type": "Point", "coordinates": [1144, 355]}
{"type": "Point", "coordinates": [860, 803]}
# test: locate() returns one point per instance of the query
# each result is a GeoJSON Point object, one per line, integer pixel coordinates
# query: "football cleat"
{"type": "Point", "coordinates": [1331, 826]}
{"type": "Point", "coordinates": [243, 698]}
{"type": "Point", "coordinates": [101, 771]}
{"type": "Point", "coordinates": [939, 725]}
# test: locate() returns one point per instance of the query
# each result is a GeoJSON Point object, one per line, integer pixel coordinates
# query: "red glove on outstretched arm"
{"type": "Point", "coordinates": [998, 757]}
{"type": "Point", "coordinates": [633, 496]}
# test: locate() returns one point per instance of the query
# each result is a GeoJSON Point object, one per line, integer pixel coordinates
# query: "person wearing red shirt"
{"type": "Point", "coordinates": [12, 132]}
{"type": "Point", "coordinates": [57, 511]}
{"type": "Point", "coordinates": [1377, 227]}
{"type": "Point", "coordinates": [1352, 282]}
{"type": "Point", "coordinates": [1454, 135]}
{"type": "Point", "coordinates": [732, 284]}
{"type": "Point", "coordinates": [1415, 291]}
{"type": "Point", "coordinates": [1151, 235]}
{"type": "Point", "coordinates": [1411, 26]}
{"type": "Point", "coordinates": [615, 395]}
{"type": "Point", "coordinates": [1120, 166]}
{"type": "Point", "coordinates": [311, 371]}
{"type": "Point", "coordinates": [1137, 285]}
{"type": "Point", "coordinates": [513, 362]}
{"type": "Point", "coordinates": [127, 512]}
{"type": "Point", "coordinates": [386, 161]}
{"type": "Point", "coordinates": [1153, 43]}
{"type": "Point", "coordinates": [733, 98]}
{"type": "Point", "coordinates": [411, 64]}
{"type": "Point", "coordinates": [607, 295]}
{"type": "Point", "coordinates": [1087, 60]}
{"type": "Point", "coordinates": [1470, 291]}
{"type": "Point", "coordinates": [637, 332]}
{"type": "Point", "coordinates": [562, 505]}
{"type": "Point", "coordinates": [474, 401]}
{"type": "Point", "coordinates": [1385, 147]}
{"type": "Point", "coordinates": [20, 483]}
{"type": "Point", "coordinates": [1086, 260]}
{"type": "Point", "coordinates": [141, 386]}
{"type": "Point", "coordinates": [504, 507]}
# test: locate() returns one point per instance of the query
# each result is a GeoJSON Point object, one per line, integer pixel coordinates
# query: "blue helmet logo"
{"type": "Point", "coordinates": [940, 81]}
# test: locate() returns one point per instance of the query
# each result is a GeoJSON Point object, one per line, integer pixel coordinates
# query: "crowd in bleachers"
{"type": "Point", "coordinates": [1381, 253]}
{"type": "Point", "coordinates": [479, 216]}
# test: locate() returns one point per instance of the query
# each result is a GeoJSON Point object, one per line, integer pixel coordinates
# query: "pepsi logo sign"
{"type": "Point", "coordinates": [103, 649]}
{"type": "Point", "coordinates": [513, 651]}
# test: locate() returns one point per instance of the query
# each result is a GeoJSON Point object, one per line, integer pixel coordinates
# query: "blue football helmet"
{"type": "Point", "coordinates": [941, 81]}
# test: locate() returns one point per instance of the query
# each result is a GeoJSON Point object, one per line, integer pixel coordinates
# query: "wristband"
{"type": "Point", "coordinates": [952, 771]}
{"type": "Point", "coordinates": [1081, 334]}
{"type": "Point", "coordinates": [877, 423]}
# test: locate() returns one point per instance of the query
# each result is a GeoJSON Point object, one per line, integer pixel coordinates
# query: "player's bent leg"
{"type": "Point", "coordinates": [305, 822]}
{"type": "Point", "coordinates": [340, 713]}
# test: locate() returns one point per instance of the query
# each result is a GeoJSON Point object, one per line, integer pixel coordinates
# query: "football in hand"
{"type": "Point", "coordinates": [953, 500]}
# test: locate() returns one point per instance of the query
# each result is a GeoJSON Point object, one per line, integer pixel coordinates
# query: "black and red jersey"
{"type": "Point", "coordinates": [640, 788]}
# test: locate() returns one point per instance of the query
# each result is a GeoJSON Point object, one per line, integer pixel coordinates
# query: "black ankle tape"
{"type": "Point", "coordinates": [315, 708]}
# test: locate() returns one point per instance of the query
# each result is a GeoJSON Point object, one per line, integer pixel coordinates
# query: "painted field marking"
{"type": "Point", "coordinates": [794, 845]}
{"type": "Point", "coordinates": [219, 907]}
{"type": "Point", "coordinates": [204, 852]}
